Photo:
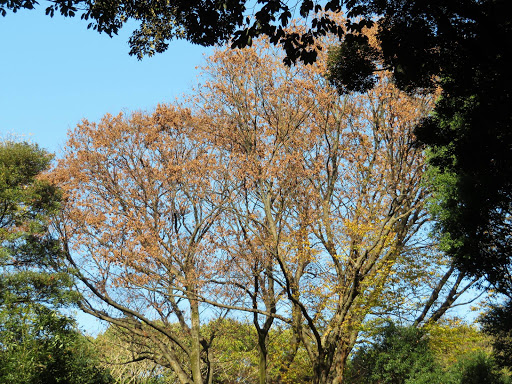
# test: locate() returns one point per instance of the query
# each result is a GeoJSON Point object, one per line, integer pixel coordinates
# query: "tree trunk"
{"type": "Point", "coordinates": [321, 373]}
{"type": "Point", "coordinates": [340, 363]}
{"type": "Point", "coordinates": [262, 351]}
{"type": "Point", "coordinates": [321, 367]}
{"type": "Point", "coordinates": [195, 348]}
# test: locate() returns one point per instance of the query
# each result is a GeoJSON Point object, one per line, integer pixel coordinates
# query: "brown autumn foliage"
{"type": "Point", "coordinates": [331, 191]}
{"type": "Point", "coordinates": [138, 222]}
{"type": "Point", "coordinates": [270, 196]}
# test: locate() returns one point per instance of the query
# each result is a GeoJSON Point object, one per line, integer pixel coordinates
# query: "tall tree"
{"type": "Point", "coordinates": [29, 256]}
{"type": "Point", "coordinates": [330, 189]}
{"type": "Point", "coordinates": [140, 225]}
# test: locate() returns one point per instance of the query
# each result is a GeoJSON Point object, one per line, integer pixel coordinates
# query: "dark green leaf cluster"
{"type": "Point", "coordinates": [399, 356]}
{"type": "Point", "coordinates": [463, 46]}
{"type": "Point", "coordinates": [204, 22]}
{"type": "Point", "coordinates": [41, 346]}
{"type": "Point", "coordinates": [422, 40]}
{"type": "Point", "coordinates": [38, 344]}
{"type": "Point", "coordinates": [402, 355]}
{"type": "Point", "coordinates": [477, 369]}
{"type": "Point", "coordinates": [352, 65]}
{"type": "Point", "coordinates": [498, 324]}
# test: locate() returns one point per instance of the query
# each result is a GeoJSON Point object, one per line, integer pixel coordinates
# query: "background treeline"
{"type": "Point", "coordinates": [448, 353]}
{"type": "Point", "coordinates": [451, 353]}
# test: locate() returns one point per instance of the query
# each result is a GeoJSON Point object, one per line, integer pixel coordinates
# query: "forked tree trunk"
{"type": "Point", "coordinates": [330, 365]}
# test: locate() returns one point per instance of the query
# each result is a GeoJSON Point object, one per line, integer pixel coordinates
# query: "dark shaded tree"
{"type": "Point", "coordinates": [498, 324]}
{"type": "Point", "coordinates": [463, 47]}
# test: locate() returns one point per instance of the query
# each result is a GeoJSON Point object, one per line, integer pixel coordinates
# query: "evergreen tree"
{"type": "Point", "coordinates": [38, 344]}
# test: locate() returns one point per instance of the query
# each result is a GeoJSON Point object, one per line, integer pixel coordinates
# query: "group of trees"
{"type": "Point", "coordinates": [279, 194]}
{"type": "Point", "coordinates": [268, 196]}
{"type": "Point", "coordinates": [447, 353]}
{"type": "Point", "coordinates": [407, 355]}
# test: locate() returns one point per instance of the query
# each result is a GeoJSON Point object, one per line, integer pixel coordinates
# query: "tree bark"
{"type": "Point", "coordinates": [263, 352]}
{"type": "Point", "coordinates": [195, 349]}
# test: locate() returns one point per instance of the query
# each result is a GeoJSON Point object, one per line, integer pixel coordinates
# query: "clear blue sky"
{"type": "Point", "coordinates": [54, 72]}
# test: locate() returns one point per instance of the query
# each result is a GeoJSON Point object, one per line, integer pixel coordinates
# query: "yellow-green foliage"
{"type": "Point", "coordinates": [452, 339]}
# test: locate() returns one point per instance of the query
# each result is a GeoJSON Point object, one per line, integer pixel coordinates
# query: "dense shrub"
{"type": "Point", "coordinates": [403, 355]}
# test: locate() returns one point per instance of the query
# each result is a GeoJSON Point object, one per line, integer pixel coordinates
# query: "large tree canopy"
{"type": "Point", "coordinates": [271, 197]}
{"type": "Point", "coordinates": [464, 46]}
